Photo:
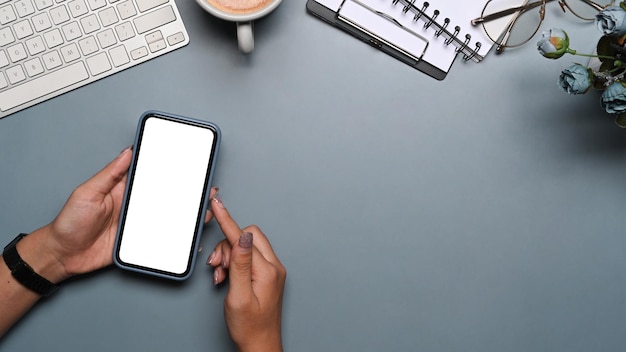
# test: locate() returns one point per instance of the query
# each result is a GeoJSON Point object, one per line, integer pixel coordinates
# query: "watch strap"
{"type": "Point", "coordinates": [23, 273]}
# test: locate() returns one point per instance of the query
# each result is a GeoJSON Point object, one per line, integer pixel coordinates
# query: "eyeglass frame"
{"type": "Point", "coordinates": [501, 44]}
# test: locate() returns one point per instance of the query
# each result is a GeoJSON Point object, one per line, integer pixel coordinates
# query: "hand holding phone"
{"type": "Point", "coordinates": [166, 195]}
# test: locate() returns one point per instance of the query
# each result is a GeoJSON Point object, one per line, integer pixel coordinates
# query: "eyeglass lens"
{"type": "Point", "coordinates": [524, 23]}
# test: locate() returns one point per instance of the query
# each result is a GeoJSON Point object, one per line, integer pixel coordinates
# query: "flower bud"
{"type": "Point", "coordinates": [575, 79]}
{"type": "Point", "coordinates": [610, 21]}
{"type": "Point", "coordinates": [614, 98]}
{"type": "Point", "coordinates": [553, 44]}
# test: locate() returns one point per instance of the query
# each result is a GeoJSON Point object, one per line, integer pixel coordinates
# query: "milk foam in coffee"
{"type": "Point", "coordinates": [239, 7]}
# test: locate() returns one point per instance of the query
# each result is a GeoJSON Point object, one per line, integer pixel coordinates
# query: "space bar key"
{"type": "Point", "coordinates": [41, 86]}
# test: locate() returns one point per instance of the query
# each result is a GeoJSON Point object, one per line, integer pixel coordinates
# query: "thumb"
{"type": "Point", "coordinates": [107, 178]}
{"type": "Point", "coordinates": [240, 269]}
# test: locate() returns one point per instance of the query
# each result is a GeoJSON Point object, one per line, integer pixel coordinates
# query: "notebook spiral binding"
{"type": "Point", "coordinates": [451, 36]}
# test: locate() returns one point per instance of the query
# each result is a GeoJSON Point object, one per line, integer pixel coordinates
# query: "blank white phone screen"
{"type": "Point", "coordinates": [166, 195]}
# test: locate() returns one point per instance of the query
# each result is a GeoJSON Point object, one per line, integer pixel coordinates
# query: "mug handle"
{"type": "Point", "coordinates": [245, 38]}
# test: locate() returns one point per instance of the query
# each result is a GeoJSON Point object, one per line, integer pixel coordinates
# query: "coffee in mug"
{"type": "Point", "coordinates": [239, 7]}
{"type": "Point", "coordinates": [243, 12]}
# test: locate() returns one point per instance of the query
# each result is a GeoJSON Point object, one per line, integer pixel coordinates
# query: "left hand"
{"type": "Point", "coordinates": [81, 237]}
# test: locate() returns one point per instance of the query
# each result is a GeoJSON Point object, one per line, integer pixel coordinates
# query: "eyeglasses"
{"type": "Point", "coordinates": [527, 17]}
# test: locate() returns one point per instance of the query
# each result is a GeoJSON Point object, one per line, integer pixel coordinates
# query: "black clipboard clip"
{"type": "Point", "coordinates": [376, 39]}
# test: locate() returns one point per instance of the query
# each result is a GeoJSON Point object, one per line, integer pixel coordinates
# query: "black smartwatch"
{"type": "Point", "coordinates": [23, 273]}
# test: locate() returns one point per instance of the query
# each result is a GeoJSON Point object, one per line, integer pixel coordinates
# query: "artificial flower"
{"type": "Point", "coordinates": [554, 43]}
{"type": "Point", "coordinates": [575, 79]}
{"type": "Point", "coordinates": [611, 21]}
{"type": "Point", "coordinates": [614, 98]}
{"type": "Point", "coordinates": [606, 69]}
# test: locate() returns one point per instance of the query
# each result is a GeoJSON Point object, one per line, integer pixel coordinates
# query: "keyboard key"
{"type": "Point", "coordinates": [119, 56]}
{"type": "Point", "coordinates": [145, 5]}
{"type": "Point", "coordinates": [42, 4]}
{"type": "Point", "coordinates": [24, 7]}
{"type": "Point", "coordinates": [96, 4]}
{"type": "Point", "coordinates": [3, 81]}
{"type": "Point", "coordinates": [4, 60]}
{"type": "Point", "coordinates": [156, 46]}
{"type": "Point", "coordinates": [33, 67]}
{"type": "Point", "coordinates": [23, 29]}
{"type": "Point", "coordinates": [41, 21]}
{"type": "Point", "coordinates": [53, 38]}
{"type": "Point", "coordinates": [51, 60]}
{"type": "Point", "coordinates": [88, 45]}
{"type": "Point", "coordinates": [43, 85]}
{"type": "Point", "coordinates": [6, 36]}
{"type": "Point", "coordinates": [90, 24]}
{"type": "Point", "coordinates": [139, 53]}
{"type": "Point", "coordinates": [98, 63]}
{"type": "Point", "coordinates": [15, 74]}
{"type": "Point", "coordinates": [71, 31]}
{"type": "Point", "coordinates": [153, 37]}
{"type": "Point", "coordinates": [7, 14]}
{"type": "Point", "coordinates": [108, 16]}
{"type": "Point", "coordinates": [176, 38]}
{"type": "Point", "coordinates": [154, 19]}
{"type": "Point", "coordinates": [17, 52]}
{"type": "Point", "coordinates": [106, 38]}
{"type": "Point", "coordinates": [126, 9]}
{"type": "Point", "coordinates": [125, 31]}
{"type": "Point", "coordinates": [77, 8]}
{"type": "Point", "coordinates": [35, 45]}
{"type": "Point", "coordinates": [70, 52]}
{"type": "Point", "coordinates": [59, 15]}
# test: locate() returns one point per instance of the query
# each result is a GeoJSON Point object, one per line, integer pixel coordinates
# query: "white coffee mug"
{"type": "Point", "coordinates": [245, 36]}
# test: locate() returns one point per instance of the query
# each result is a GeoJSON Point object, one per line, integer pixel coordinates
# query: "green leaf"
{"type": "Point", "coordinates": [608, 45]}
{"type": "Point", "coordinates": [620, 120]}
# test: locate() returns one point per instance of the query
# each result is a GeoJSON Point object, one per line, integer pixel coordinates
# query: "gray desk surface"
{"type": "Point", "coordinates": [485, 212]}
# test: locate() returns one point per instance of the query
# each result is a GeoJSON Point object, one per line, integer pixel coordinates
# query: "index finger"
{"type": "Point", "coordinates": [229, 227]}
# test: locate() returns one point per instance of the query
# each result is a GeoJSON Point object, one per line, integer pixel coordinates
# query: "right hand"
{"type": "Point", "coordinates": [253, 305]}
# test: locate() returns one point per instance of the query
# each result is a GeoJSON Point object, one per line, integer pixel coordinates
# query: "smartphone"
{"type": "Point", "coordinates": [167, 194]}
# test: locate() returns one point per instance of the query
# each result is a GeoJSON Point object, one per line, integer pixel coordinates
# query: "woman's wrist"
{"type": "Point", "coordinates": [272, 343]}
{"type": "Point", "coordinates": [36, 252]}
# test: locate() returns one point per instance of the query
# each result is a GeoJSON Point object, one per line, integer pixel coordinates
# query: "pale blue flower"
{"type": "Point", "coordinates": [610, 21]}
{"type": "Point", "coordinates": [553, 44]}
{"type": "Point", "coordinates": [614, 98]}
{"type": "Point", "coordinates": [575, 79]}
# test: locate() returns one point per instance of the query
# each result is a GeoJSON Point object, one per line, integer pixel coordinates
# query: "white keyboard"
{"type": "Point", "coordinates": [49, 47]}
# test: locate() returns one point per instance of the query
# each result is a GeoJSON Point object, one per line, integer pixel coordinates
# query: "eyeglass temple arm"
{"type": "Point", "coordinates": [507, 12]}
{"type": "Point", "coordinates": [507, 33]}
{"type": "Point", "coordinates": [592, 4]}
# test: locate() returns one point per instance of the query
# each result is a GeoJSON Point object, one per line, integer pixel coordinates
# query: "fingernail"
{"type": "Point", "coordinates": [218, 201]}
{"type": "Point", "coordinates": [130, 147]}
{"type": "Point", "coordinates": [211, 257]}
{"type": "Point", "coordinates": [215, 191]}
{"type": "Point", "coordinates": [215, 277]}
{"type": "Point", "coordinates": [245, 240]}
{"type": "Point", "coordinates": [200, 248]}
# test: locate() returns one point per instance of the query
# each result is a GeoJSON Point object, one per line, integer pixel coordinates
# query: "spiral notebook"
{"type": "Point", "coordinates": [425, 35]}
